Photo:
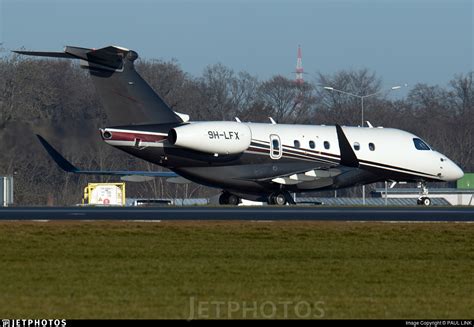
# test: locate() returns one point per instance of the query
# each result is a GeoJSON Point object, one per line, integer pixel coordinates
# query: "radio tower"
{"type": "Point", "coordinates": [299, 79]}
{"type": "Point", "coordinates": [299, 68]}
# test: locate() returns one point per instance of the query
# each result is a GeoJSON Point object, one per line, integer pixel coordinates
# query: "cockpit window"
{"type": "Point", "coordinates": [420, 145]}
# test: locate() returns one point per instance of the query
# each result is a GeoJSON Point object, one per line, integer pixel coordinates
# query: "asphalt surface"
{"type": "Point", "coordinates": [264, 213]}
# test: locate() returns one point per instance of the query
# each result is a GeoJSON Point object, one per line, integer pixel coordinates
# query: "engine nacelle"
{"type": "Point", "coordinates": [212, 137]}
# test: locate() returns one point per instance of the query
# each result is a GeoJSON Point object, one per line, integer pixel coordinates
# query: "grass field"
{"type": "Point", "coordinates": [236, 269]}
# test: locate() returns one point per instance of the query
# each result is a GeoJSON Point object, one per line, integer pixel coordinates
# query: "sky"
{"type": "Point", "coordinates": [403, 41]}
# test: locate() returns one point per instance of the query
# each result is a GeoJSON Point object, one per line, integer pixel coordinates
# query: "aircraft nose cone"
{"type": "Point", "coordinates": [454, 172]}
{"type": "Point", "coordinates": [458, 172]}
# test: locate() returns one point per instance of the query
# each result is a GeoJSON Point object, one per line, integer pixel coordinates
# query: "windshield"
{"type": "Point", "coordinates": [420, 144]}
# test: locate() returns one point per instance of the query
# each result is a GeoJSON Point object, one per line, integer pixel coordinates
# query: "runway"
{"type": "Point", "coordinates": [264, 213]}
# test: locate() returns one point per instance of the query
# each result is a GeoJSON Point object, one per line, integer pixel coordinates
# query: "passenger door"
{"type": "Point", "coordinates": [275, 147]}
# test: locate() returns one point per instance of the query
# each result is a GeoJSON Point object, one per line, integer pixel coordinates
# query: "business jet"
{"type": "Point", "coordinates": [254, 161]}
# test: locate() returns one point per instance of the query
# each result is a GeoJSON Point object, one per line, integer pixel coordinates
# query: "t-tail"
{"type": "Point", "coordinates": [126, 96]}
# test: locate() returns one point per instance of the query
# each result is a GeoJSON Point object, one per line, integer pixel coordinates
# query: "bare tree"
{"type": "Point", "coordinates": [336, 107]}
{"type": "Point", "coordinates": [286, 100]}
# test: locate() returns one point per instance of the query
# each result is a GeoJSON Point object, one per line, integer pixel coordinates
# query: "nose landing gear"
{"type": "Point", "coordinates": [423, 198]}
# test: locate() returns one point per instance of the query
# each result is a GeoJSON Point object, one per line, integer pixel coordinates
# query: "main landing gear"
{"type": "Point", "coordinates": [280, 198]}
{"type": "Point", "coordinates": [423, 199]}
{"type": "Point", "coordinates": [228, 198]}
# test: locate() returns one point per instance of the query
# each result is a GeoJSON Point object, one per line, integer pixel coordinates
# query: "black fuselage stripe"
{"type": "Point", "coordinates": [401, 171]}
{"type": "Point", "coordinates": [288, 154]}
{"type": "Point", "coordinates": [303, 153]}
{"type": "Point", "coordinates": [394, 167]}
{"type": "Point", "coordinates": [312, 155]}
{"type": "Point", "coordinates": [262, 142]}
{"type": "Point", "coordinates": [295, 154]}
{"type": "Point", "coordinates": [267, 144]}
{"type": "Point", "coordinates": [380, 165]}
{"type": "Point", "coordinates": [298, 155]}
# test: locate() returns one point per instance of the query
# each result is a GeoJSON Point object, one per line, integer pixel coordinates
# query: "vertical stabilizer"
{"type": "Point", "coordinates": [126, 97]}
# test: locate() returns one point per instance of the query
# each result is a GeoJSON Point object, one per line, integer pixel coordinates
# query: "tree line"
{"type": "Point", "coordinates": [55, 98]}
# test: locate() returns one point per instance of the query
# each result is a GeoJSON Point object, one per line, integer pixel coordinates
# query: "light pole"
{"type": "Point", "coordinates": [362, 97]}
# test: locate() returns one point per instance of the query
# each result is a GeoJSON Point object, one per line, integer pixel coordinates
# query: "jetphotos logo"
{"type": "Point", "coordinates": [229, 309]}
{"type": "Point", "coordinates": [33, 323]}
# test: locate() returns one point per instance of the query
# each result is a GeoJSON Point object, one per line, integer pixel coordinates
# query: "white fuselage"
{"type": "Point", "coordinates": [294, 154]}
{"type": "Point", "coordinates": [388, 147]}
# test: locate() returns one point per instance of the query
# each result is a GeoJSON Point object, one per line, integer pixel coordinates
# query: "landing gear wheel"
{"type": "Point", "coordinates": [278, 198]}
{"type": "Point", "coordinates": [233, 200]}
{"type": "Point", "coordinates": [224, 198]}
{"type": "Point", "coordinates": [228, 198]}
{"type": "Point", "coordinates": [425, 201]}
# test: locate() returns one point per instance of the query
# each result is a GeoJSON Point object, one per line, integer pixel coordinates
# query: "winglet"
{"type": "Point", "coordinates": [348, 157]}
{"type": "Point", "coordinates": [57, 157]}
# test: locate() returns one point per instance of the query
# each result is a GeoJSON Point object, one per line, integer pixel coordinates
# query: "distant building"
{"type": "Point", "coordinates": [467, 182]}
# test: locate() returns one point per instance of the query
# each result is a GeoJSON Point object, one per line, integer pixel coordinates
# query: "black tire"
{"type": "Point", "coordinates": [419, 201]}
{"type": "Point", "coordinates": [280, 199]}
{"type": "Point", "coordinates": [233, 200]}
{"type": "Point", "coordinates": [426, 201]}
{"type": "Point", "coordinates": [224, 198]}
{"type": "Point", "coordinates": [271, 199]}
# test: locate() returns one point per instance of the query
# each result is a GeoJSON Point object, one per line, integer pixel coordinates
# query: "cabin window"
{"type": "Point", "coordinates": [327, 145]}
{"type": "Point", "coordinates": [420, 145]}
{"type": "Point", "coordinates": [276, 146]}
{"type": "Point", "coordinates": [371, 146]}
{"type": "Point", "coordinates": [312, 145]}
{"type": "Point", "coordinates": [297, 144]}
{"type": "Point", "coordinates": [356, 146]}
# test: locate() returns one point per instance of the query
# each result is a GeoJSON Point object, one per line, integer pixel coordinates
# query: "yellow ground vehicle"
{"type": "Point", "coordinates": [108, 194]}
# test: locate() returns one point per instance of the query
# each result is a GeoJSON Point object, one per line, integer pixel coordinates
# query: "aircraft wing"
{"type": "Point", "coordinates": [134, 175]}
{"type": "Point", "coordinates": [307, 176]}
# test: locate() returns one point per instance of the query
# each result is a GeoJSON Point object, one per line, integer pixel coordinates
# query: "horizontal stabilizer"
{"type": "Point", "coordinates": [108, 58]}
{"type": "Point", "coordinates": [45, 54]}
{"type": "Point", "coordinates": [70, 168]}
{"type": "Point", "coordinates": [57, 157]}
